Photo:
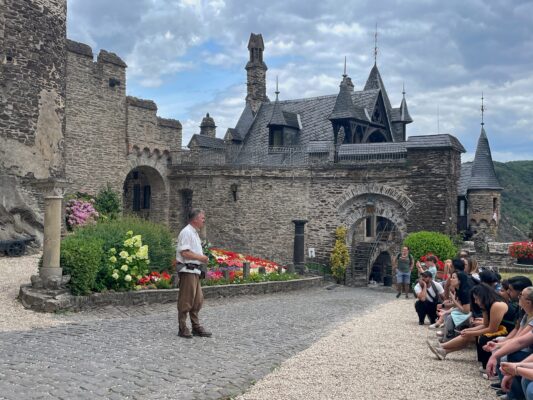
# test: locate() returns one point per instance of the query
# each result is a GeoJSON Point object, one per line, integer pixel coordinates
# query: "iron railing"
{"type": "Point", "coordinates": [293, 156]}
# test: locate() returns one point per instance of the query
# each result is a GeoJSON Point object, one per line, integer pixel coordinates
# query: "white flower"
{"type": "Point", "coordinates": [115, 276]}
{"type": "Point", "coordinates": [124, 268]}
{"type": "Point", "coordinates": [127, 278]}
{"type": "Point", "coordinates": [123, 254]}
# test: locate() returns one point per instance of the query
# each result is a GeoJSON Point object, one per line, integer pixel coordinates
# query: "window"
{"type": "Point", "coordinates": [276, 137]}
{"type": "Point", "coordinates": [147, 196]}
{"type": "Point", "coordinates": [462, 208]}
{"type": "Point", "coordinates": [136, 197]}
{"type": "Point", "coordinates": [368, 227]}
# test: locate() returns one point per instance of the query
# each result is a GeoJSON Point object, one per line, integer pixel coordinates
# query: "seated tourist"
{"type": "Point", "coordinates": [517, 345]}
{"type": "Point", "coordinates": [458, 316]}
{"type": "Point", "coordinates": [428, 294]}
{"type": "Point", "coordinates": [472, 269]}
{"type": "Point", "coordinates": [430, 265]}
{"type": "Point", "coordinates": [493, 309]}
{"type": "Point", "coordinates": [512, 372]}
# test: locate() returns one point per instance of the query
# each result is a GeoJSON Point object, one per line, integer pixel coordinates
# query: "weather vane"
{"type": "Point", "coordinates": [483, 108]}
{"type": "Point", "coordinates": [344, 75]}
{"type": "Point", "coordinates": [376, 44]}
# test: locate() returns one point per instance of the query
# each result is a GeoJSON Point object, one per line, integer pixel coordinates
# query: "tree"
{"type": "Point", "coordinates": [340, 257]}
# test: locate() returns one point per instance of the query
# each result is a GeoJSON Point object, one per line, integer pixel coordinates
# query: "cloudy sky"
{"type": "Point", "coordinates": [189, 57]}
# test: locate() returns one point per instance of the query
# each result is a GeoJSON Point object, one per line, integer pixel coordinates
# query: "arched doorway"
{"type": "Point", "coordinates": [376, 218]}
{"type": "Point", "coordinates": [145, 194]}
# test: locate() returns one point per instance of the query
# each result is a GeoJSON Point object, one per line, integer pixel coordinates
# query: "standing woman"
{"type": "Point", "coordinates": [403, 265]}
{"type": "Point", "coordinates": [484, 299]}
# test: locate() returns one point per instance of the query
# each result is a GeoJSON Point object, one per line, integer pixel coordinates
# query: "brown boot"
{"type": "Point", "coordinates": [200, 331]}
{"type": "Point", "coordinates": [183, 330]}
{"type": "Point", "coordinates": [185, 333]}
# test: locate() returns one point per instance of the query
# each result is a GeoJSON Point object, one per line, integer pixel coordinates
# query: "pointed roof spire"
{"type": "Point", "coordinates": [404, 112]}
{"type": "Point", "coordinates": [483, 174]}
{"type": "Point", "coordinates": [277, 118]}
{"type": "Point", "coordinates": [374, 81]}
{"type": "Point", "coordinates": [482, 110]}
{"type": "Point", "coordinates": [344, 107]}
{"type": "Point", "coordinates": [376, 45]}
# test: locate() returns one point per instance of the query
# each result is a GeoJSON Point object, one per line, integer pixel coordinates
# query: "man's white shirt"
{"type": "Point", "coordinates": [188, 239]}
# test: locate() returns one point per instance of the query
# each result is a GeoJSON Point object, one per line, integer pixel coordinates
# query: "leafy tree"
{"type": "Point", "coordinates": [340, 257]}
{"type": "Point", "coordinates": [107, 203]}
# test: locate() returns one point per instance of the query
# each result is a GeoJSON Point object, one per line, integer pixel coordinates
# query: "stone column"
{"type": "Point", "coordinates": [299, 245]}
{"type": "Point", "coordinates": [51, 272]}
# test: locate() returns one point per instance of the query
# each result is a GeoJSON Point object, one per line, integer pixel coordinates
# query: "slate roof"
{"type": "Point", "coordinates": [464, 179]}
{"type": "Point", "coordinates": [244, 123]}
{"type": "Point", "coordinates": [206, 142]}
{"type": "Point", "coordinates": [404, 113]}
{"type": "Point", "coordinates": [483, 175]}
{"type": "Point", "coordinates": [433, 141]}
{"type": "Point", "coordinates": [344, 107]}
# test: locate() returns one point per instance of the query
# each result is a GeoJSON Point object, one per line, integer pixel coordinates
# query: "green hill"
{"type": "Point", "coordinates": [516, 177]}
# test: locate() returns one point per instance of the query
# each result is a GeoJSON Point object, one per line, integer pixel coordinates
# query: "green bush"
{"type": "Point", "coordinates": [107, 203]}
{"type": "Point", "coordinates": [81, 259]}
{"type": "Point", "coordinates": [424, 242]}
{"type": "Point", "coordinates": [340, 257]}
{"type": "Point", "coordinates": [158, 237]}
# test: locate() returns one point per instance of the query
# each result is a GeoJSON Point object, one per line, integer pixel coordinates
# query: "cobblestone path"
{"type": "Point", "coordinates": [136, 353]}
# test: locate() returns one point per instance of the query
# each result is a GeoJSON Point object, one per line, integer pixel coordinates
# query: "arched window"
{"type": "Point", "coordinates": [377, 137]}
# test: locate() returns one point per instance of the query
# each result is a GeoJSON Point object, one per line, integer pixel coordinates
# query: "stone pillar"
{"type": "Point", "coordinates": [245, 269]}
{"type": "Point", "coordinates": [50, 273]}
{"type": "Point", "coordinates": [299, 245]}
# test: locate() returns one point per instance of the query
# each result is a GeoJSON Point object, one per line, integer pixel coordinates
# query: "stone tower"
{"type": "Point", "coordinates": [208, 127]}
{"type": "Point", "coordinates": [484, 194]}
{"type": "Point", "coordinates": [256, 73]}
{"type": "Point", "coordinates": [32, 107]}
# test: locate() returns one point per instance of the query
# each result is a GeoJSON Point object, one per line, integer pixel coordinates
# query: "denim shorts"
{"type": "Point", "coordinates": [403, 277]}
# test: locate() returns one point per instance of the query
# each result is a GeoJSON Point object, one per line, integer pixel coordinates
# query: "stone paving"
{"type": "Point", "coordinates": [135, 353]}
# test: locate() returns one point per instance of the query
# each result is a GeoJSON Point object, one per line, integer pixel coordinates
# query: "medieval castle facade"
{"type": "Point", "coordinates": [339, 159]}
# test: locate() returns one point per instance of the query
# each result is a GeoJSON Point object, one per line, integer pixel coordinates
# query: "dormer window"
{"type": "Point", "coordinates": [276, 137]}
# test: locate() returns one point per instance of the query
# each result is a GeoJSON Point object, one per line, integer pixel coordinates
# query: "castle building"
{"type": "Point", "coordinates": [344, 158]}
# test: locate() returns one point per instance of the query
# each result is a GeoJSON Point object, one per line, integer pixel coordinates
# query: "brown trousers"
{"type": "Point", "coordinates": [190, 299]}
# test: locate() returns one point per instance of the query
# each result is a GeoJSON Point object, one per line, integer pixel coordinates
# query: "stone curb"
{"type": "Point", "coordinates": [61, 300]}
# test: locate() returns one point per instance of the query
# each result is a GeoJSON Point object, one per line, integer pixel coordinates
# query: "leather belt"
{"type": "Point", "coordinates": [189, 265]}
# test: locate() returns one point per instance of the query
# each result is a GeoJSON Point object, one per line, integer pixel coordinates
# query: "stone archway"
{"type": "Point", "coordinates": [145, 194]}
{"type": "Point", "coordinates": [370, 201]}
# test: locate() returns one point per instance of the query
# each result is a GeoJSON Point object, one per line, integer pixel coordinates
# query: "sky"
{"type": "Point", "coordinates": [189, 57]}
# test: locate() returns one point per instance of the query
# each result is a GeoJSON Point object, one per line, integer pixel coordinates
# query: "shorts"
{"type": "Point", "coordinates": [403, 277]}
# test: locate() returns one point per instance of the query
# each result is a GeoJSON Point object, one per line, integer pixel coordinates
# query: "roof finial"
{"type": "Point", "coordinates": [483, 108]}
{"type": "Point", "coordinates": [376, 45]}
{"type": "Point", "coordinates": [438, 119]}
{"type": "Point", "coordinates": [403, 89]}
{"type": "Point", "coordinates": [277, 91]}
{"type": "Point", "coordinates": [344, 75]}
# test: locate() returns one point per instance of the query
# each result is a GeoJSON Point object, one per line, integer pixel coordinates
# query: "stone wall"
{"type": "Point", "coordinates": [417, 195]}
{"type": "Point", "coordinates": [32, 105]}
{"type": "Point", "coordinates": [480, 214]}
{"type": "Point", "coordinates": [146, 130]}
{"type": "Point", "coordinates": [95, 136]}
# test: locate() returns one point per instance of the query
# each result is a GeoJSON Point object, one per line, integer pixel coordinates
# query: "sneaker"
{"type": "Point", "coordinates": [435, 325]}
{"type": "Point", "coordinates": [500, 393]}
{"type": "Point", "coordinates": [482, 370]}
{"type": "Point", "coordinates": [440, 333]}
{"type": "Point", "coordinates": [200, 331]}
{"type": "Point", "coordinates": [496, 385]}
{"type": "Point", "coordinates": [398, 295]}
{"type": "Point", "coordinates": [438, 351]}
{"type": "Point", "coordinates": [503, 397]}
{"type": "Point", "coordinates": [490, 378]}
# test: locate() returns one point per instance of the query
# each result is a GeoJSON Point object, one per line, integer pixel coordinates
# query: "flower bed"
{"type": "Point", "coordinates": [522, 251]}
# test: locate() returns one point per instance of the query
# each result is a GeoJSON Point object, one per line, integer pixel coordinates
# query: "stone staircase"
{"type": "Point", "coordinates": [357, 273]}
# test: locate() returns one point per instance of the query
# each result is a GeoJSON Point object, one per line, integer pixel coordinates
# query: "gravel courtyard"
{"type": "Point", "coordinates": [324, 343]}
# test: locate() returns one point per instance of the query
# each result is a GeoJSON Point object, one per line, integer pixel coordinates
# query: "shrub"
{"type": "Point", "coordinates": [79, 213]}
{"type": "Point", "coordinates": [158, 237]}
{"type": "Point", "coordinates": [126, 264]}
{"type": "Point", "coordinates": [424, 242]}
{"type": "Point", "coordinates": [340, 257]}
{"type": "Point", "coordinates": [107, 203]}
{"type": "Point", "coordinates": [521, 250]}
{"type": "Point", "coordinates": [80, 258]}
